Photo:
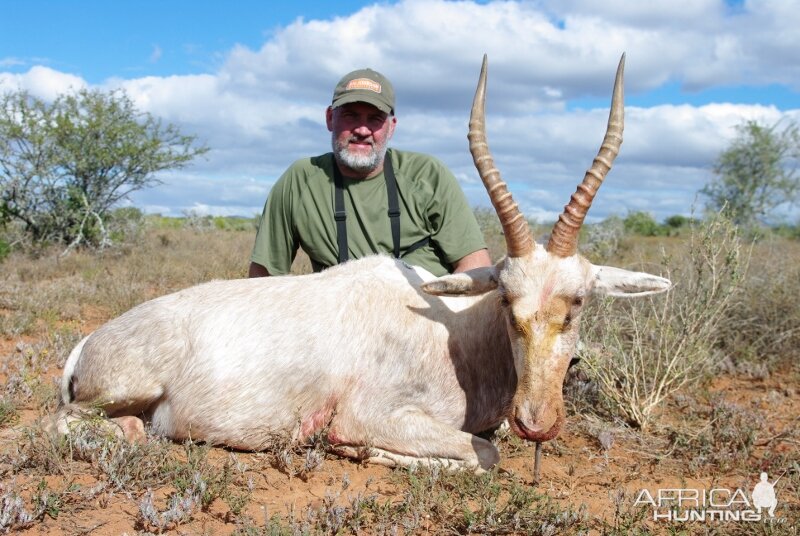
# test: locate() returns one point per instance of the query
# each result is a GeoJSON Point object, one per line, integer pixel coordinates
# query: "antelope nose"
{"type": "Point", "coordinates": [530, 431]}
{"type": "Point", "coordinates": [534, 432]}
{"type": "Point", "coordinates": [542, 424]}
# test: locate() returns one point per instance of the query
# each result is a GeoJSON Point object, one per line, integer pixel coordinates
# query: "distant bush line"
{"type": "Point", "coordinates": [126, 224]}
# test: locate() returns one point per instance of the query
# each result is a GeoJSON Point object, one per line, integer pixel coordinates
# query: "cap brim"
{"type": "Point", "coordinates": [361, 97]}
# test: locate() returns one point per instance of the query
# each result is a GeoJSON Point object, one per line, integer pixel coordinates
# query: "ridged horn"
{"type": "Point", "coordinates": [519, 240]}
{"type": "Point", "coordinates": [564, 238]}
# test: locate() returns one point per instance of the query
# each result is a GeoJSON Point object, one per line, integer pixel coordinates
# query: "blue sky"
{"type": "Point", "coordinates": [98, 40]}
{"type": "Point", "coordinates": [252, 80]}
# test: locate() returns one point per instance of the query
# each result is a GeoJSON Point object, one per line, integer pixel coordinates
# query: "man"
{"type": "Point", "coordinates": [362, 199]}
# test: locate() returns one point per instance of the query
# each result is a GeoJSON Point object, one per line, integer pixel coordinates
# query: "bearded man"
{"type": "Point", "coordinates": [363, 198]}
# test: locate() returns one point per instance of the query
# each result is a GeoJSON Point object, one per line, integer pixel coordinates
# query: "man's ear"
{"type": "Point", "coordinates": [329, 118]}
{"type": "Point", "coordinates": [610, 281]}
{"type": "Point", "coordinates": [469, 283]}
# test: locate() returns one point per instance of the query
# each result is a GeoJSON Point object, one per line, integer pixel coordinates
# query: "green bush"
{"type": "Point", "coordinates": [643, 224]}
{"type": "Point", "coordinates": [65, 164]}
{"type": "Point", "coordinates": [125, 225]}
{"type": "Point", "coordinates": [5, 249]}
{"type": "Point", "coordinates": [787, 231]}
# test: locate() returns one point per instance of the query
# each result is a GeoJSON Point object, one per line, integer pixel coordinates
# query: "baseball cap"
{"type": "Point", "coordinates": [365, 85]}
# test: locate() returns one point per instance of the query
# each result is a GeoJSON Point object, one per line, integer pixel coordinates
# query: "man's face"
{"type": "Point", "coordinates": [359, 135]}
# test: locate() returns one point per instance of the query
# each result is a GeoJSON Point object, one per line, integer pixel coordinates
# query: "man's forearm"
{"type": "Point", "coordinates": [476, 259]}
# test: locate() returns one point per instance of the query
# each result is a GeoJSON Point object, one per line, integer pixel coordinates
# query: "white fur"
{"type": "Point", "coordinates": [359, 348]}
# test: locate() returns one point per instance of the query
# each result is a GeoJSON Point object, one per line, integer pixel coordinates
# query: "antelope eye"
{"type": "Point", "coordinates": [578, 301]}
{"type": "Point", "coordinates": [504, 300]}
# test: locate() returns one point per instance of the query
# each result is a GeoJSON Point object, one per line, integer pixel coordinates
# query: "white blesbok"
{"type": "Point", "coordinates": [395, 365]}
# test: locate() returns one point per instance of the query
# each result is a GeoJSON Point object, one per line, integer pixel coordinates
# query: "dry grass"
{"type": "Point", "coordinates": [46, 303]}
{"type": "Point", "coordinates": [763, 334]}
{"type": "Point", "coordinates": [642, 351]}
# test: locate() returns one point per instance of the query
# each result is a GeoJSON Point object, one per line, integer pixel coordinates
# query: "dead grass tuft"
{"type": "Point", "coordinates": [642, 351]}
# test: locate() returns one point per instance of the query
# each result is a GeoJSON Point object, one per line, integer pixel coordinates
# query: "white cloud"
{"type": "Point", "coordinates": [42, 82]}
{"type": "Point", "coordinates": [11, 62]}
{"type": "Point", "coordinates": [264, 107]}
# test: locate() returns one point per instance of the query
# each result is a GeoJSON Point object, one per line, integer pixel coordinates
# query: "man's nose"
{"type": "Point", "coordinates": [362, 130]}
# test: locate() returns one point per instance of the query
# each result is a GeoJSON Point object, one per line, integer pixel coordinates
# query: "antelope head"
{"type": "Point", "coordinates": [543, 289]}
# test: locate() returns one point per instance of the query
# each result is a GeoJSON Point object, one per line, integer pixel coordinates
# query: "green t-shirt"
{"type": "Point", "coordinates": [299, 213]}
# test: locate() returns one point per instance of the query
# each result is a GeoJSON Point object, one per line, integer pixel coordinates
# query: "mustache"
{"type": "Point", "coordinates": [358, 139]}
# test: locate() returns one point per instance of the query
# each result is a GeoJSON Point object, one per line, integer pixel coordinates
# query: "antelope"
{"type": "Point", "coordinates": [395, 366]}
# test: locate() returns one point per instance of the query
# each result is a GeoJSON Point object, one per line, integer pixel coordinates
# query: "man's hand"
{"type": "Point", "coordinates": [256, 270]}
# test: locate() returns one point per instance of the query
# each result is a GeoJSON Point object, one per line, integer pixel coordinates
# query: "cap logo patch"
{"type": "Point", "coordinates": [363, 83]}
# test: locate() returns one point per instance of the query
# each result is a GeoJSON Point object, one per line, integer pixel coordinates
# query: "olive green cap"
{"type": "Point", "coordinates": [365, 85]}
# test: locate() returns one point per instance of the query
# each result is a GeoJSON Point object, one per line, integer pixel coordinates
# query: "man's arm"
{"type": "Point", "coordinates": [256, 270]}
{"type": "Point", "coordinates": [455, 229]}
{"type": "Point", "coordinates": [476, 259]}
{"type": "Point", "coordinates": [275, 245]}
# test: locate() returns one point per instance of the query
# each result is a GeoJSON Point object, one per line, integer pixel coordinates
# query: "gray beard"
{"type": "Point", "coordinates": [359, 163]}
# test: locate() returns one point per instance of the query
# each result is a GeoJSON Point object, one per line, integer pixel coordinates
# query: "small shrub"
{"type": "Point", "coordinates": [604, 239]}
{"type": "Point", "coordinates": [433, 501]}
{"type": "Point", "coordinates": [180, 509]}
{"type": "Point", "coordinates": [764, 327]}
{"type": "Point", "coordinates": [642, 224]}
{"type": "Point", "coordinates": [8, 412]}
{"type": "Point", "coordinates": [126, 225]}
{"type": "Point", "coordinates": [198, 222]}
{"type": "Point", "coordinates": [641, 351]}
{"type": "Point", "coordinates": [299, 460]}
{"type": "Point", "coordinates": [26, 370]}
{"type": "Point", "coordinates": [678, 222]}
{"type": "Point", "coordinates": [17, 323]}
{"type": "Point", "coordinates": [200, 477]}
{"type": "Point", "coordinates": [13, 514]}
{"type": "Point", "coordinates": [628, 519]}
{"type": "Point", "coordinates": [5, 249]}
{"type": "Point", "coordinates": [122, 465]}
{"type": "Point", "coordinates": [787, 231]}
{"type": "Point", "coordinates": [725, 439]}
{"type": "Point", "coordinates": [47, 501]}
{"type": "Point", "coordinates": [492, 231]}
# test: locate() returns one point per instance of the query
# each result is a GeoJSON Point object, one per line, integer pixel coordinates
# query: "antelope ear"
{"type": "Point", "coordinates": [610, 281]}
{"type": "Point", "coordinates": [469, 283]}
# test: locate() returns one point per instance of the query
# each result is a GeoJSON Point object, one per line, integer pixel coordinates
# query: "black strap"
{"type": "Point", "coordinates": [394, 206]}
{"type": "Point", "coordinates": [416, 245]}
{"type": "Point", "coordinates": [340, 215]}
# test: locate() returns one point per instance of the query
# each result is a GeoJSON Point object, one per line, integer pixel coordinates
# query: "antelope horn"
{"type": "Point", "coordinates": [519, 240]}
{"type": "Point", "coordinates": [564, 238]}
